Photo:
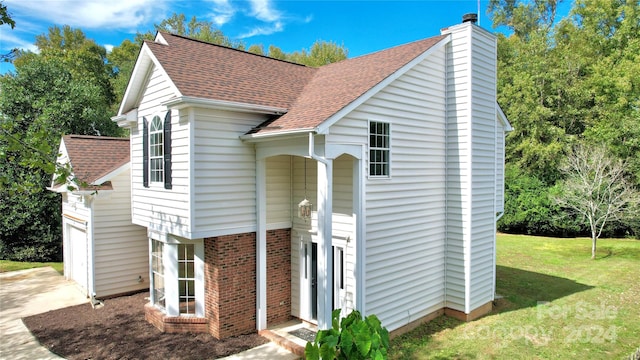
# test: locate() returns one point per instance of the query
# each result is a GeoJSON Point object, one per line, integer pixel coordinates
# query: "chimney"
{"type": "Point", "coordinates": [471, 17]}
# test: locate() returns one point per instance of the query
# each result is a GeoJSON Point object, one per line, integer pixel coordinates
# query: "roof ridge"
{"type": "Point", "coordinates": [226, 47]}
{"type": "Point", "coordinates": [94, 137]}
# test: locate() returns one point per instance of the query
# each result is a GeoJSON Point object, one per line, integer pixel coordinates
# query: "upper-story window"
{"type": "Point", "coordinates": [156, 150]}
{"type": "Point", "coordinates": [379, 149]}
{"type": "Point", "coordinates": [156, 144]}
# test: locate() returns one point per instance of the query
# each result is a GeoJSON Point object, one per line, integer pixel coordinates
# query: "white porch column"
{"type": "Point", "coordinates": [358, 218]}
{"type": "Point", "coordinates": [325, 263]}
{"type": "Point", "coordinates": [261, 245]}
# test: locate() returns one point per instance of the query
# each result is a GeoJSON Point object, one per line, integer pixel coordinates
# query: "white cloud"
{"type": "Point", "coordinates": [263, 10]}
{"type": "Point", "coordinates": [108, 47]}
{"type": "Point", "coordinates": [263, 30]}
{"type": "Point", "coordinates": [223, 12]}
{"type": "Point", "coordinates": [92, 14]}
{"type": "Point", "coordinates": [11, 41]}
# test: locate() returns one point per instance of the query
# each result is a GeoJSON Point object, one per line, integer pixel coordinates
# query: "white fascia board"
{"type": "Point", "coordinates": [181, 102]}
{"type": "Point", "coordinates": [115, 172]}
{"type": "Point", "coordinates": [323, 128]}
{"type": "Point", "coordinates": [503, 118]}
{"type": "Point", "coordinates": [139, 75]}
{"type": "Point", "coordinates": [260, 137]}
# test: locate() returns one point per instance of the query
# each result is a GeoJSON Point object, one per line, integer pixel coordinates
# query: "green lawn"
{"type": "Point", "coordinates": [558, 304]}
{"type": "Point", "coordinates": [8, 265]}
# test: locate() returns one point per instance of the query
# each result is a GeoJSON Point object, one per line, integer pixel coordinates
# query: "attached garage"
{"type": "Point", "coordinates": [104, 253]}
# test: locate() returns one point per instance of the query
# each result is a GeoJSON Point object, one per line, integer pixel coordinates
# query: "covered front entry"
{"type": "Point", "coordinates": [324, 242]}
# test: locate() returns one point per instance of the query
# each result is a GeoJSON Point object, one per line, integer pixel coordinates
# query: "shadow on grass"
{"type": "Point", "coordinates": [526, 288]}
{"type": "Point", "coordinates": [520, 289]}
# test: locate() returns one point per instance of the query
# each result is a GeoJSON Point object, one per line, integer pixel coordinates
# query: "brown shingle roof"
{"type": "Point", "coordinates": [93, 157]}
{"type": "Point", "coordinates": [208, 71]}
{"type": "Point", "coordinates": [311, 95]}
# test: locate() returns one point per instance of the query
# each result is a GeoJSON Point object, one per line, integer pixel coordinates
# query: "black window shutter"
{"type": "Point", "coordinates": [145, 152]}
{"type": "Point", "coordinates": [167, 150]}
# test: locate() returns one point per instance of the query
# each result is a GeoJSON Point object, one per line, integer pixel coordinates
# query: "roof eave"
{"type": "Point", "coordinates": [266, 136]}
{"type": "Point", "coordinates": [181, 102]}
{"type": "Point", "coordinates": [111, 174]}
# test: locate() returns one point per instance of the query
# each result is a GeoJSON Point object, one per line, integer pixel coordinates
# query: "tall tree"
{"type": "Point", "coordinates": [63, 89]}
{"type": "Point", "coordinates": [568, 81]}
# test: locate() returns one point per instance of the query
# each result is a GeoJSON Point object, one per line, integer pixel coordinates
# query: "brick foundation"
{"type": "Point", "coordinates": [174, 324]}
{"type": "Point", "coordinates": [278, 276]}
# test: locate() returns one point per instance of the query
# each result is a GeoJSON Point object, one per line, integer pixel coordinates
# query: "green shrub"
{"type": "Point", "coordinates": [351, 338]}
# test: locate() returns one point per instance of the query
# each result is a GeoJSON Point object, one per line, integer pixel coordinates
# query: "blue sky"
{"type": "Point", "coordinates": [361, 26]}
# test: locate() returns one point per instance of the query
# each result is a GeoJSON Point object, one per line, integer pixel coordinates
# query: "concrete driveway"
{"type": "Point", "coordinates": [29, 292]}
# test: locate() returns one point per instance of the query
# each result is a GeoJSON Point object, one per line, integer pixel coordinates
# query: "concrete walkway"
{"type": "Point", "coordinates": [28, 292]}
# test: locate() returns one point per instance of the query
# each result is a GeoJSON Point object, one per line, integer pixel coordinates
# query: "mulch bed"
{"type": "Point", "coordinates": [119, 331]}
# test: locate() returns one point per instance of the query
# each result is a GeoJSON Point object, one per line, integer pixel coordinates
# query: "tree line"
{"type": "Point", "coordinates": [567, 84]}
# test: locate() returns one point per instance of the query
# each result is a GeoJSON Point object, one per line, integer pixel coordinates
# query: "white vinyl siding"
{"type": "Point", "coordinates": [405, 222]}
{"type": "Point", "coordinates": [279, 192]}
{"type": "Point", "coordinates": [224, 173]}
{"type": "Point", "coordinates": [458, 166]}
{"type": "Point", "coordinates": [483, 161]}
{"type": "Point", "coordinates": [155, 207]}
{"type": "Point", "coordinates": [121, 248]}
{"type": "Point", "coordinates": [471, 168]}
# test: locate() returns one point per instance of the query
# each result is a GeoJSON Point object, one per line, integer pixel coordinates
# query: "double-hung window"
{"type": "Point", "coordinates": [379, 149]}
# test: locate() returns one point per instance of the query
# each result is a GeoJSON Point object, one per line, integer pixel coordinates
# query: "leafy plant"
{"type": "Point", "coordinates": [351, 338]}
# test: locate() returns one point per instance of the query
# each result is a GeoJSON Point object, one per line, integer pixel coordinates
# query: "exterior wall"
{"type": "Point", "coordinates": [471, 167]}
{"type": "Point", "coordinates": [155, 207]}
{"type": "Point", "coordinates": [483, 167]}
{"type": "Point", "coordinates": [405, 221]}
{"type": "Point", "coordinates": [278, 276]}
{"type": "Point", "coordinates": [230, 282]}
{"type": "Point", "coordinates": [224, 173]}
{"type": "Point", "coordinates": [121, 248]}
{"type": "Point", "coordinates": [279, 192]}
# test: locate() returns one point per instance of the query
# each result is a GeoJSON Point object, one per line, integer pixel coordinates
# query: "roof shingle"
{"type": "Point", "coordinates": [93, 157]}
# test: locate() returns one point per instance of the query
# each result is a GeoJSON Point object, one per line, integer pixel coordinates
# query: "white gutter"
{"type": "Point", "coordinates": [185, 101]}
{"type": "Point", "coordinates": [257, 137]}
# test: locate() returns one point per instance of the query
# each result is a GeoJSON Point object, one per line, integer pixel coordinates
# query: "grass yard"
{"type": "Point", "coordinates": [558, 304]}
{"type": "Point", "coordinates": [8, 265]}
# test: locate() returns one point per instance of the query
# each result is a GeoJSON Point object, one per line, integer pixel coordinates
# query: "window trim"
{"type": "Point", "coordinates": [171, 274]}
{"type": "Point", "coordinates": [156, 150]}
{"type": "Point", "coordinates": [387, 149]}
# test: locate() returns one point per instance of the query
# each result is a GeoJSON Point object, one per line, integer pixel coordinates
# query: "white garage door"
{"type": "Point", "coordinates": [78, 242]}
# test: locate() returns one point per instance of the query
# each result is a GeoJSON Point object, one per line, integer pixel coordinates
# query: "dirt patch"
{"type": "Point", "coordinates": [118, 331]}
